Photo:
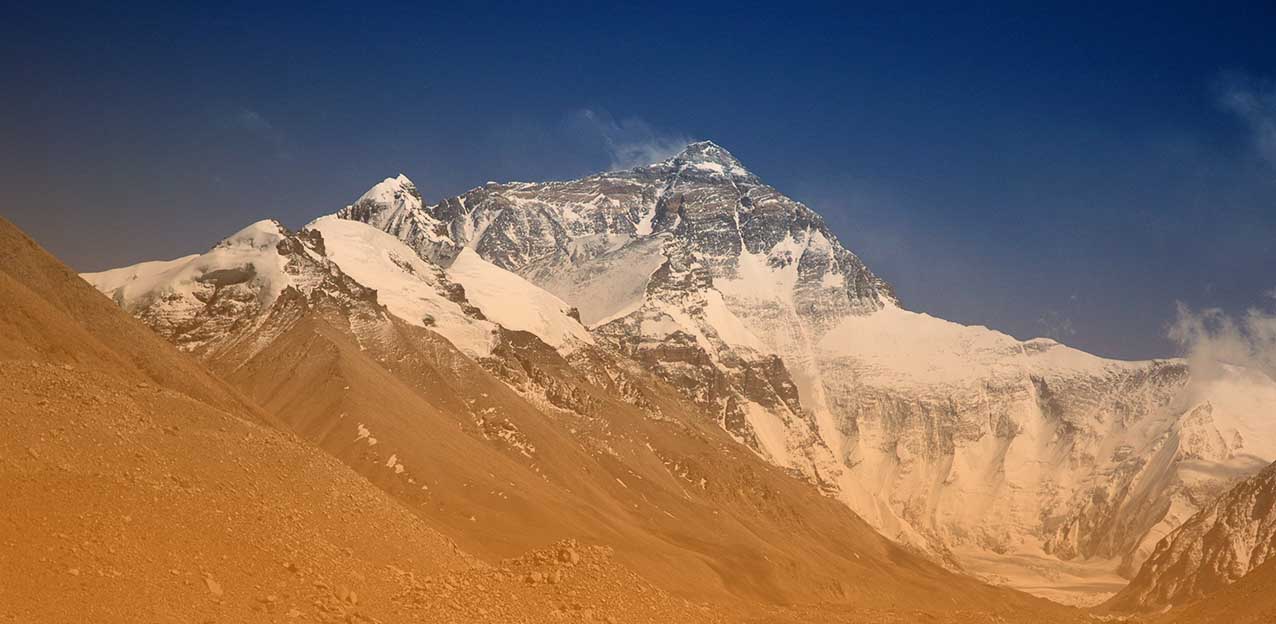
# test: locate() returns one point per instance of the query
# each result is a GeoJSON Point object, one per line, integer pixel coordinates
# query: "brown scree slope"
{"type": "Point", "coordinates": [137, 487]}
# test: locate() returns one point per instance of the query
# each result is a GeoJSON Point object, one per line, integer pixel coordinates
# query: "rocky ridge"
{"type": "Point", "coordinates": [1230, 537]}
{"type": "Point", "coordinates": [945, 437]}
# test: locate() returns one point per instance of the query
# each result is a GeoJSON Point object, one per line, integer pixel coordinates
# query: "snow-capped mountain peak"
{"type": "Point", "coordinates": [1003, 456]}
{"type": "Point", "coordinates": [955, 439]}
{"type": "Point", "coordinates": [394, 205]}
{"type": "Point", "coordinates": [261, 235]}
{"type": "Point", "coordinates": [706, 151]}
{"type": "Point", "coordinates": [392, 190]}
{"type": "Point", "coordinates": [709, 157]}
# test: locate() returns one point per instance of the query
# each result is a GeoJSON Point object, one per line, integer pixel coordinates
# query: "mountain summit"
{"type": "Point", "coordinates": [391, 190]}
{"type": "Point", "coordinates": [707, 156]}
{"type": "Point", "coordinates": [480, 402]}
{"type": "Point", "coordinates": [995, 455]}
{"type": "Point", "coordinates": [1025, 462]}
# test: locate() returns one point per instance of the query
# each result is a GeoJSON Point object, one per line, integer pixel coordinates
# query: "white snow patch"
{"type": "Point", "coordinates": [394, 463]}
{"type": "Point", "coordinates": [771, 432]}
{"type": "Point", "coordinates": [140, 277]}
{"type": "Point", "coordinates": [758, 281]}
{"type": "Point", "coordinates": [727, 325]}
{"type": "Point", "coordinates": [516, 303]}
{"type": "Point", "coordinates": [604, 277]}
{"type": "Point", "coordinates": [409, 287]}
{"type": "Point", "coordinates": [911, 348]}
{"type": "Point", "coordinates": [250, 250]}
{"type": "Point", "coordinates": [365, 434]}
{"type": "Point", "coordinates": [644, 225]}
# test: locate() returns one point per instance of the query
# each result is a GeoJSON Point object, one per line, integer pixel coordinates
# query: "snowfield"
{"type": "Point", "coordinates": [516, 303]}
{"type": "Point", "coordinates": [408, 286]}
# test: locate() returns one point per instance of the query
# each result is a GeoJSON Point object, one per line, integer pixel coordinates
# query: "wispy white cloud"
{"type": "Point", "coordinates": [1254, 102]}
{"type": "Point", "coordinates": [252, 123]}
{"type": "Point", "coordinates": [1057, 326]}
{"type": "Point", "coordinates": [249, 119]}
{"type": "Point", "coordinates": [1212, 338]}
{"type": "Point", "coordinates": [630, 142]}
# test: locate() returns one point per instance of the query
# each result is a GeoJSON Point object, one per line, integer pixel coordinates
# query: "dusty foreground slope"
{"type": "Point", "coordinates": [137, 488]}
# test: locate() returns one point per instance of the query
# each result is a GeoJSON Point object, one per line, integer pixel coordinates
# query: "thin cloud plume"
{"type": "Point", "coordinates": [1056, 326]}
{"type": "Point", "coordinates": [629, 142]}
{"type": "Point", "coordinates": [1212, 339]}
{"type": "Point", "coordinates": [1254, 102]}
{"type": "Point", "coordinates": [251, 123]}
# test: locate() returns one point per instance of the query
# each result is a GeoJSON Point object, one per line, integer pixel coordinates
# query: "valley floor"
{"type": "Point", "coordinates": [1076, 583]}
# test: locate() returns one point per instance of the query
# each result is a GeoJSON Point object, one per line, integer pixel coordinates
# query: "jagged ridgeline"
{"type": "Point", "coordinates": [690, 292]}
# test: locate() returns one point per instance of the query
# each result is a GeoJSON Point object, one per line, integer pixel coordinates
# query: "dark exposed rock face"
{"type": "Point", "coordinates": [1228, 538]}
{"type": "Point", "coordinates": [395, 206]}
{"type": "Point", "coordinates": [703, 197]}
{"type": "Point", "coordinates": [639, 249]}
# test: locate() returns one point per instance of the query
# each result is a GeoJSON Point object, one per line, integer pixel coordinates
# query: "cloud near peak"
{"type": "Point", "coordinates": [1212, 339]}
{"type": "Point", "coordinates": [630, 142]}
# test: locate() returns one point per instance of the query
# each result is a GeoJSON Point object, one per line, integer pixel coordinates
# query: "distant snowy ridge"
{"type": "Point", "coordinates": [209, 301]}
{"type": "Point", "coordinates": [197, 299]}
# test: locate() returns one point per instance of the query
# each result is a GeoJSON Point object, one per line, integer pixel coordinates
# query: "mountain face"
{"type": "Point", "coordinates": [638, 252]}
{"type": "Point", "coordinates": [481, 402]}
{"type": "Point", "coordinates": [689, 293]}
{"type": "Point", "coordinates": [1229, 538]}
{"type": "Point", "coordinates": [982, 450]}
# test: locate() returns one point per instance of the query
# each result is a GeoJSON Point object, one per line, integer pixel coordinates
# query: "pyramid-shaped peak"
{"type": "Point", "coordinates": [709, 157]}
{"type": "Point", "coordinates": [388, 189]}
{"type": "Point", "coordinates": [706, 152]}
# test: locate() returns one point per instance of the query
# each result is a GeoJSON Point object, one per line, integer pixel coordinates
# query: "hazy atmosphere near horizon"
{"type": "Point", "coordinates": [643, 313]}
{"type": "Point", "coordinates": [1067, 173]}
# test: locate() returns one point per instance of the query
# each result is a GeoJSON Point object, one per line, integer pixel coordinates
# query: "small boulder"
{"type": "Point", "coordinates": [213, 586]}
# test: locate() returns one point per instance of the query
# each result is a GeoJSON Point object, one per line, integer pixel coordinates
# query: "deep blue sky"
{"type": "Point", "coordinates": [1073, 171]}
